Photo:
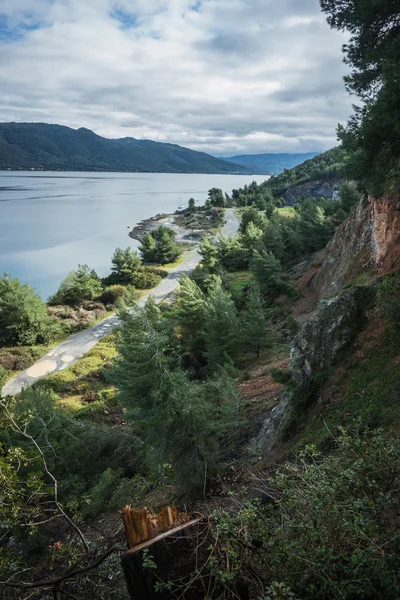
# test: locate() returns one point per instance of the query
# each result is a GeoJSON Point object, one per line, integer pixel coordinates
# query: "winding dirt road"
{"type": "Point", "coordinates": [76, 346]}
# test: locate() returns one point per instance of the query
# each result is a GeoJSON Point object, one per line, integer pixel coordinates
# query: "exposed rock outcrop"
{"type": "Point", "coordinates": [268, 435]}
{"type": "Point", "coordinates": [317, 346]}
{"type": "Point", "coordinates": [321, 339]}
{"type": "Point", "coordinates": [368, 241]}
{"type": "Point", "coordinates": [313, 189]}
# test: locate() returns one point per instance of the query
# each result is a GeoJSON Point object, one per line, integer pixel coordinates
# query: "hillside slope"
{"type": "Point", "coordinates": [328, 166]}
{"type": "Point", "coordinates": [55, 147]}
{"type": "Point", "coordinates": [271, 163]}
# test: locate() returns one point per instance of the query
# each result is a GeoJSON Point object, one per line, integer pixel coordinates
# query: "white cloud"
{"type": "Point", "coordinates": [218, 75]}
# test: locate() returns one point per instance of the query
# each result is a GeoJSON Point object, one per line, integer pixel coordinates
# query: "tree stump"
{"type": "Point", "coordinates": [171, 539]}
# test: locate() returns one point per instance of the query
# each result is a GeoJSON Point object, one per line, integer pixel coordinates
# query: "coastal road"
{"type": "Point", "coordinates": [76, 346]}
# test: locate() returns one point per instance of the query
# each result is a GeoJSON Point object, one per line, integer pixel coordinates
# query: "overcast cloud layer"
{"type": "Point", "coordinates": [223, 76]}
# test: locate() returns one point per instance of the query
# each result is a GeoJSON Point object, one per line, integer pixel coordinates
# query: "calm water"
{"type": "Point", "coordinates": [51, 222]}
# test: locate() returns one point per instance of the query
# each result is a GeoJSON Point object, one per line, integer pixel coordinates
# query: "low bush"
{"type": "Point", "coordinates": [145, 279]}
{"type": "Point", "coordinates": [16, 359]}
{"type": "Point", "coordinates": [329, 529]}
{"type": "Point", "coordinates": [113, 294]}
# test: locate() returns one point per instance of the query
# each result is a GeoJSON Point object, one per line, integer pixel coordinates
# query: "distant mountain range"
{"type": "Point", "coordinates": [270, 164]}
{"type": "Point", "coordinates": [55, 147]}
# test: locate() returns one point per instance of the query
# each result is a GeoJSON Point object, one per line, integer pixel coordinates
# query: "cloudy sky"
{"type": "Point", "coordinates": [223, 76]}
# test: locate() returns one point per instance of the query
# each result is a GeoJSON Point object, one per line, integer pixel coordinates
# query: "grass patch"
{"type": "Point", "coordinates": [84, 383]}
{"type": "Point", "coordinates": [170, 266]}
{"type": "Point", "coordinates": [238, 281]}
{"type": "Point", "coordinates": [287, 211]}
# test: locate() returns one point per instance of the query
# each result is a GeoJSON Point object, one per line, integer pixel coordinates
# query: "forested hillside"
{"type": "Point", "coordinates": [55, 147]}
{"type": "Point", "coordinates": [329, 165]}
{"type": "Point", "coordinates": [270, 163]}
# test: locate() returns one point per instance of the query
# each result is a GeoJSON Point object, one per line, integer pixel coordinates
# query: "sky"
{"type": "Point", "coordinates": [221, 76]}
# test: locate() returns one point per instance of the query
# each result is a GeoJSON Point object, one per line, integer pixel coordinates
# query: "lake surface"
{"type": "Point", "coordinates": [52, 221]}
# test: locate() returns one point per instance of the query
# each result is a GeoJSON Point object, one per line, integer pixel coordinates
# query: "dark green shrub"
{"type": "Point", "coordinates": [330, 528]}
{"type": "Point", "coordinates": [113, 295]}
{"type": "Point", "coordinates": [23, 315]}
{"type": "Point", "coordinates": [145, 280]}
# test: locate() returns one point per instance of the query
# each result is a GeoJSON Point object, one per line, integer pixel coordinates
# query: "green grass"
{"type": "Point", "coordinates": [287, 211]}
{"type": "Point", "coordinates": [83, 383]}
{"type": "Point", "coordinates": [238, 280]}
{"type": "Point", "coordinates": [180, 260]}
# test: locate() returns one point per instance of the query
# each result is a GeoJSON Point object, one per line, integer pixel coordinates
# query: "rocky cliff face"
{"type": "Point", "coordinates": [313, 189]}
{"type": "Point", "coordinates": [368, 242]}
{"type": "Point", "coordinates": [330, 330]}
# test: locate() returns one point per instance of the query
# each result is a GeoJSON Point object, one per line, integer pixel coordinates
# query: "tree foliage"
{"type": "Point", "coordinates": [174, 416]}
{"type": "Point", "coordinates": [78, 287]}
{"type": "Point", "coordinates": [372, 136]}
{"type": "Point", "coordinates": [125, 262]}
{"type": "Point", "coordinates": [23, 315]}
{"type": "Point", "coordinates": [159, 246]}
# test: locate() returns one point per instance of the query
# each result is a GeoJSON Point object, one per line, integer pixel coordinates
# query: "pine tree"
{"type": "Point", "coordinates": [222, 336]}
{"type": "Point", "coordinates": [147, 248]}
{"type": "Point", "coordinates": [177, 419]}
{"type": "Point", "coordinates": [142, 365]}
{"type": "Point", "coordinates": [269, 275]}
{"type": "Point", "coordinates": [251, 237]}
{"type": "Point", "coordinates": [192, 306]}
{"type": "Point", "coordinates": [209, 252]}
{"type": "Point", "coordinates": [124, 264]}
{"type": "Point", "coordinates": [160, 246]}
{"type": "Point", "coordinates": [254, 322]}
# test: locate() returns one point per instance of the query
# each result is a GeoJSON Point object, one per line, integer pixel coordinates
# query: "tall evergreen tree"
{"type": "Point", "coordinates": [372, 136]}
{"type": "Point", "coordinates": [270, 276]}
{"type": "Point", "coordinates": [209, 252]}
{"type": "Point", "coordinates": [160, 246]}
{"type": "Point", "coordinates": [177, 419]}
{"type": "Point", "coordinates": [251, 237]}
{"type": "Point", "coordinates": [254, 322]}
{"type": "Point", "coordinates": [191, 312]}
{"type": "Point", "coordinates": [222, 335]}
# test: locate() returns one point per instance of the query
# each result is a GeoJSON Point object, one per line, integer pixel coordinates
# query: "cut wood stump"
{"type": "Point", "coordinates": [171, 538]}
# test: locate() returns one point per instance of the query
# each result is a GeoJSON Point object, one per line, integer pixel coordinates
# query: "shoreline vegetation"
{"type": "Point", "coordinates": [84, 300]}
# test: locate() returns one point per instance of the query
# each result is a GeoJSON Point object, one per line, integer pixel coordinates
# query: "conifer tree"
{"type": "Point", "coordinates": [251, 237]}
{"type": "Point", "coordinates": [192, 305]}
{"type": "Point", "coordinates": [160, 246]}
{"type": "Point", "coordinates": [124, 263]}
{"type": "Point", "coordinates": [269, 275]}
{"type": "Point", "coordinates": [254, 322]}
{"type": "Point", "coordinates": [221, 328]}
{"type": "Point", "coordinates": [147, 248]}
{"type": "Point", "coordinates": [174, 417]}
{"type": "Point", "coordinates": [209, 252]}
